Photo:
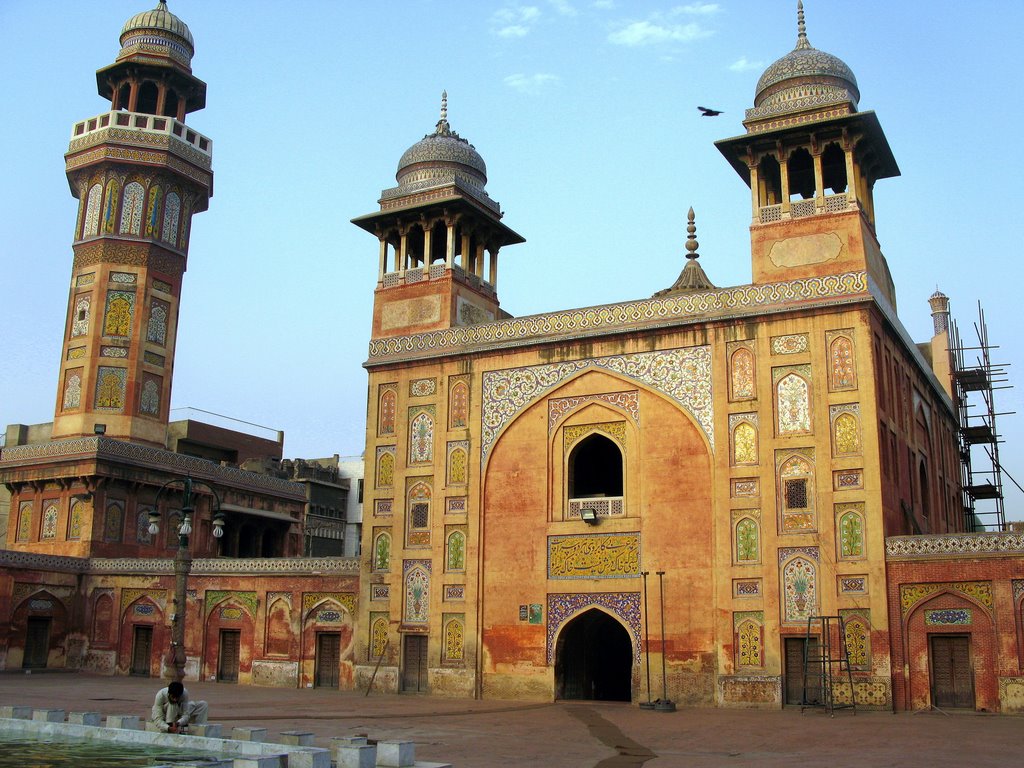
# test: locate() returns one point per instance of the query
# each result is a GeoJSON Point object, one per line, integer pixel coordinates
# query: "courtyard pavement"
{"type": "Point", "coordinates": [481, 734]}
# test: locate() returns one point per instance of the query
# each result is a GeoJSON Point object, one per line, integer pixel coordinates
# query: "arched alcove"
{"type": "Point", "coordinates": [594, 659]}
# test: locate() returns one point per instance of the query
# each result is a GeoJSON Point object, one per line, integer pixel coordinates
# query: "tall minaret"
{"type": "Point", "coordinates": [139, 174]}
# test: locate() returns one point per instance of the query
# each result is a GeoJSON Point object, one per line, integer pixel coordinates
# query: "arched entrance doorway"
{"type": "Point", "coordinates": [594, 659]}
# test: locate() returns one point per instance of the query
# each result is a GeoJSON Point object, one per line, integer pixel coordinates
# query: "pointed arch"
{"type": "Point", "coordinates": [416, 594]}
{"type": "Point", "coordinates": [455, 551]}
{"type": "Point", "coordinates": [458, 407]}
{"type": "Point", "coordinates": [749, 638]}
{"type": "Point", "coordinates": [387, 411]}
{"type": "Point", "coordinates": [92, 211]}
{"type": "Point", "coordinates": [744, 443]}
{"type": "Point", "coordinates": [842, 365]}
{"type": "Point", "coordinates": [846, 434]}
{"type": "Point", "coordinates": [799, 590]}
{"type": "Point", "coordinates": [172, 215]}
{"type": "Point", "coordinates": [421, 438]}
{"type": "Point", "coordinates": [51, 513]}
{"type": "Point", "coordinates": [385, 474]}
{"type": "Point", "coordinates": [110, 207]}
{"type": "Point", "coordinates": [851, 533]}
{"type": "Point", "coordinates": [102, 619]}
{"type": "Point", "coordinates": [75, 520]}
{"type": "Point", "coordinates": [154, 209]}
{"type": "Point", "coordinates": [378, 636]}
{"type": "Point", "coordinates": [742, 374]}
{"type": "Point", "coordinates": [132, 201]}
{"type": "Point", "coordinates": [793, 404]}
{"type": "Point", "coordinates": [797, 493]}
{"type": "Point", "coordinates": [382, 551]}
{"type": "Point", "coordinates": [747, 540]}
{"type": "Point", "coordinates": [454, 639]}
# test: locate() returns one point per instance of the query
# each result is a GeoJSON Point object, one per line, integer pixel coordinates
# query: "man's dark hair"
{"type": "Point", "coordinates": [175, 688]}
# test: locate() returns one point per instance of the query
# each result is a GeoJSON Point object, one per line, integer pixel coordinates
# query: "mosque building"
{"type": "Point", "coordinates": [707, 487]}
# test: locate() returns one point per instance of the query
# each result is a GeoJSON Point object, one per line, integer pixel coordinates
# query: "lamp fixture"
{"type": "Point", "coordinates": [218, 524]}
{"type": "Point", "coordinates": [99, 429]}
{"type": "Point", "coordinates": [589, 516]}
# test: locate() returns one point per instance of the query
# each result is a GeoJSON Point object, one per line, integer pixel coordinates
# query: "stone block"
{"type": "Point", "coordinates": [355, 756]}
{"type": "Point", "coordinates": [85, 718]}
{"type": "Point", "coordinates": [261, 761]}
{"type": "Point", "coordinates": [127, 722]}
{"type": "Point", "coordinates": [347, 741]}
{"type": "Point", "coordinates": [48, 715]}
{"type": "Point", "coordinates": [309, 758]}
{"type": "Point", "coordinates": [296, 738]}
{"type": "Point", "coordinates": [247, 733]}
{"type": "Point", "coordinates": [209, 730]}
{"type": "Point", "coordinates": [11, 711]}
{"type": "Point", "coordinates": [396, 754]}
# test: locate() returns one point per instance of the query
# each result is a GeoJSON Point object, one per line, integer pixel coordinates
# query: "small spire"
{"type": "Point", "coordinates": [691, 236]}
{"type": "Point", "coordinates": [692, 278]}
{"type": "Point", "coordinates": [801, 28]}
{"type": "Point", "coordinates": [443, 129]}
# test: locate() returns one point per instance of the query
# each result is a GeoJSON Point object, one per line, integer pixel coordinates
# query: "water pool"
{"type": "Point", "coordinates": [30, 752]}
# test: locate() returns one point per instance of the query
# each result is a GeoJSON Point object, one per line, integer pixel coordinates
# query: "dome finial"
{"type": "Point", "coordinates": [691, 236]}
{"type": "Point", "coordinates": [443, 129]}
{"type": "Point", "coordinates": [801, 27]}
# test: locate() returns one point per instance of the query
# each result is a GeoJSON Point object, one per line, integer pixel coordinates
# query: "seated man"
{"type": "Point", "coordinates": [173, 710]}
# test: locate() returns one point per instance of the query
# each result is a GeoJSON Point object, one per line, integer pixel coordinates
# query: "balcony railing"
{"type": "Point", "coordinates": [137, 121]}
{"type": "Point", "coordinates": [605, 506]}
{"type": "Point", "coordinates": [799, 209]}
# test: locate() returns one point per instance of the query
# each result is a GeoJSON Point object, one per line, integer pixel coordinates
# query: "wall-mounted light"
{"type": "Point", "coordinates": [99, 429]}
{"type": "Point", "coordinates": [589, 516]}
{"type": "Point", "coordinates": [218, 524]}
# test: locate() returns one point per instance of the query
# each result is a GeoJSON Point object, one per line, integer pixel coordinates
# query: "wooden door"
{"type": "Point", "coordinates": [142, 649]}
{"type": "Point", "coordinates": [794, 672]}
{"type": "Point", "coordinates": [414, 666]}
{"type": "Point", "coordinates": [227, 661]}
{"type": "Point", "coordinates": [37, 643]}
{"type": "Point", "coordinates": [328, 659]}
{"type": "Point", "coordinates": [952, 675]}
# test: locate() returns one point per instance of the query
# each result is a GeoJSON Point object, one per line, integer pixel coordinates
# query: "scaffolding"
{"type": "Point", "coordinates": [981, 473]}
{"type": "Point", "coordinates": [826, 666]}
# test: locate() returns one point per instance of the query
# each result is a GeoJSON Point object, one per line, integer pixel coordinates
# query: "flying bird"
{"type": "Point", "coordinates": [705, 112]}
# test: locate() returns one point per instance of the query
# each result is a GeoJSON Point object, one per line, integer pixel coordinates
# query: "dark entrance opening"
{"type": "Point", "coordinates": [328, 658]}
{"type": "Point", "coordinates": [594, 659]}
{"type": "Point", "coordinates": [952, 676]}
{"type": "Point", "coordinates": [142, 649]}
{"type": "Point", "coordinates": [794, 672]}
{"type": "Point", "coordinates": [37, 643]}
{"type": "Point", "coordinates": [227, 662]}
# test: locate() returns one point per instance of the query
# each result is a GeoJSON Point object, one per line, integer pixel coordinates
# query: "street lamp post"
{"type": "Point", "coordinates": [182, 563]}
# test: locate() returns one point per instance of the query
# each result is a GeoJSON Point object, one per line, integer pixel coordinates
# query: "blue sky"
{"type": "Point", "coordinates": [585, 113]}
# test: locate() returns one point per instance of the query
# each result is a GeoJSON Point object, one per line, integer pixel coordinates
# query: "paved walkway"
{"type": "Point", "coordinates": [481, 734]}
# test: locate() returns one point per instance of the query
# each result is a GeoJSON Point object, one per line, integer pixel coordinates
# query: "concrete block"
{"type": "Point", "coordinates": [261, 761]}
{"type": "Point", "coordinates": [296, 738]}
{"type": "Point", "coordinates": [13, 712]}
{"type": "Point", "coordinates": [396, 754]}
{"type": "Point", "coordinates": [355, 756]}
{"type": "Point", "coordinates": [309, 758]}
{"type": "Point", "coordinates": [247, 733]}
{"type": "Point", "coordinates": [85, 718]}
{"type": "Point", "coordinates": [127, 722]}
{"type": "Point", "coordinates": [48, 715]}
{"type": "Point", "coordinates": [209, 730]}
{"type": "Point", "coordinates": [347, 741]}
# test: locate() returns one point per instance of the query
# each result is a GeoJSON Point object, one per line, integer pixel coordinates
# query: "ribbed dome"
{"type": "Point", "coordinates": [441, 153]}
{"type": "Point", "coordinates": [158, 27]}
{"type": "Point", "coordinates": [805, 73]}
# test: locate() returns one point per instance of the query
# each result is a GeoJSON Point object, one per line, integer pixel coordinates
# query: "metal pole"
{"type": "Point", "coordinates": [664, 704]}
{"type": "Point", "coordinates": [182, 567]}
{"type": "Point", "coordinates": [647, 644]}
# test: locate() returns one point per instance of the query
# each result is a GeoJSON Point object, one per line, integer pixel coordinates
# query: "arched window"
{"type": "Point", "coordinates": [741, 379]}
{"type": "Point", "coordinates": [110, 207]}
{"type": "Point", "coordinates": [92, 211]}
{"type": "Point", "coordinates": [793, 404]}
{"type": "Point", "coordinates": [75, 521]}
{"type": "Point", "coordinates": [800, 167]}
{"type": "Point", "coordinates": [459, 408]}
{"type": "Point", "coordinates": [131, 208]}
{"type": "Point", "coordinates": [842, 370]}
{"type": "Point", "coordinates": [378, 637]}
{"type": "Point", "coordinates": [456, 551]}
{"type": "Point", "coordinates": [833, 168]}
{"type": "Point", "coordinates": [748, 644]}
{"type": "Point", "coordinates": [595, 468]}
{"type": "Point", "coordinates": [421, 438]}
{"type": "Point", "coordinates": [80, 322]}
{"type": "Point", "coordinates": [382, 551]}
{"type": "Point", "coordinates": [769, 177]}
{"type": "Point", "coordinates": [744, 443]}
{"type": "Point", "coordinates": [748, 533]}
{"type": "Point", "coordinates": [796, 488]}
{"type": "Point", "coordinates": [454, 640]}
{"type": "Point", "coordinates": [50, 515]}
{"type": "Point", "coordinates": [800, 590]}
{"type": "Point", "coordinates": [386, 413]}
{"type": "Point", "coordinates": [418, 517]}
{"type": "Point", "coordinates": [172, 214]}
{"type": "Point", "coordinates": [846, 434]}
{"type": "Point", "coordinates": [24, 521]}
{"type": "Point", "coordinates": [851, 535]}
{"type": "Point", "coordinates": [385, 468]}
{"type": "Point", "coordinates": [124, 92]}
{"type": "Point", "coordinates": [113, 524]}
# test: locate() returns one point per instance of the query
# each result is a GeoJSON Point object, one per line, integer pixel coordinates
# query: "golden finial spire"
{"type": "Point", "coordinates": [801, 27]}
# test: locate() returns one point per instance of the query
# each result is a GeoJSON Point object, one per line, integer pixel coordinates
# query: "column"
{"type": "Point", "coordinates": [449, 254]}
{"type": "Point", "coordinates": [427, 228]}
{"type": "Point", "coordinates": [755, 191]}
{"type": "Point", "coordinates": [161, 98]}
{"type": "Point", "coordinates": [465, 260]}
{"type": "Point", "coordinates": [819, 183]}
{"type": "Point", "coordinates": [383, 259]}
{"type": "Point", "coordinates": [478, 260]}
{"type": "Point", "coordinates": [403, 250]}
{"type": "Point", "coordinates": [493, 270]}
{"type": "Point", "coordinates": [852, 177]}
{"type": "Point", "coordinates": [784, 175]}
{"type": "Point", "coordinates": [133, 96]}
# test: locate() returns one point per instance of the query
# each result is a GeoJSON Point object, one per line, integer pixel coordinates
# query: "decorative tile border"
{"type": "Point", "coordinates": [853, 585]}
{"type": "Point", "coordinates": [454, 593]}
{"type": "Point", "coordinates": [941, 616]}
{"type": "Point", "coordinates": [746, 588]}
{"type": "Point", "coordinates": [615, 318]}
{"type": "Point", "coordinates": [628, 402]}
{"type": "Point", "coordinates": [684, 375]}
{"type": "Point", "coordinates": [912, 594]}
{"type": "Point", "coordinates": [953, 545]}
{"type": "Point", "coordinates": [789, 345]}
